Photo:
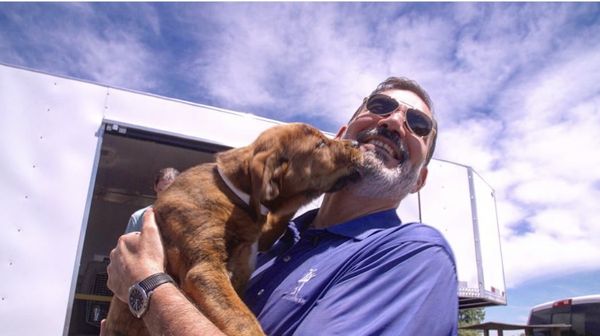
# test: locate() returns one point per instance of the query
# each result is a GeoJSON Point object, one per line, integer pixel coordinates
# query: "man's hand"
{"type": "Point", "coordinates": [137, 256]}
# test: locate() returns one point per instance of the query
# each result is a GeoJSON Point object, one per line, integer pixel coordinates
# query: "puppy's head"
{"type": "Point", "coordinates": [294, 163]}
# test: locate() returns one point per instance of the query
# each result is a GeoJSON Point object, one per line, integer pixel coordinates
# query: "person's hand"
{"type": "Point", "coordinates": [103, 328]}
{"type": "Point", "coordinates": [137, 256]}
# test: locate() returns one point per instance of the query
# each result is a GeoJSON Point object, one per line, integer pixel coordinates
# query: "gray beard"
{"type": "Point", "coordinates": [382, 182]}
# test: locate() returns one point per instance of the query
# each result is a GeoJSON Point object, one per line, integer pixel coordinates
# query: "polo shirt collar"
{"type": "Point", "coordinates": [358, 228]}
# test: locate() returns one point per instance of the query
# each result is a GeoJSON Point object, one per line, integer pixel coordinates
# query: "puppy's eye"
{"type": "Point", "coordinates": [321, 144]}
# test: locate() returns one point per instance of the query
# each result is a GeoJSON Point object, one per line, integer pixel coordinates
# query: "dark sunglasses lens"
{"type": "Point", "coordinates": [381, 104]}
{"type": "Point", "coordinates": [418, 122]}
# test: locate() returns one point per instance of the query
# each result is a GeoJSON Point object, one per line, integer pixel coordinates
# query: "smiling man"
{"type": "Point", "coordinates": [350, 267]}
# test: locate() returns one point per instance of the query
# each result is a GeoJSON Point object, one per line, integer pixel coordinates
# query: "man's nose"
{"type": "Point", "coordinates": [394, 122]}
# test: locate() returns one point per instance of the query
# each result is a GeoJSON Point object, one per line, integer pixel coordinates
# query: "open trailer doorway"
{"type": "Point", "coordinates": [129, 160]}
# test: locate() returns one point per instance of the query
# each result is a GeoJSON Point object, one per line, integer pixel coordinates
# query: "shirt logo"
{"type": "Point", "coordinates": [294, 295]}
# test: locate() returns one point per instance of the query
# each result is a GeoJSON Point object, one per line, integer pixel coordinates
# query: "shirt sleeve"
{"type": "Point", "coordinates": [410, 289]}
{"type": "Point", "coordinates": [135, 221]}
{"type": "Point", "coordinates": [131, 224]}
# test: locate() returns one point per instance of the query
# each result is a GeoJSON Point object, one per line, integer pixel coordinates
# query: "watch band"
{"type": "Point", "coordinates": [141, 292]}
{"type": "Point", "coordinates": [155, 280]}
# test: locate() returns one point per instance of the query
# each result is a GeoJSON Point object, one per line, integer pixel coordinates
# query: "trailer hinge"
{"type": "Point", "coordinates": [116, 128]}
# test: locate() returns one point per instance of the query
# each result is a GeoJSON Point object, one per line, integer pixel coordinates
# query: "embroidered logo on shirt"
{"type": "Point", "coordinates": [294, 295]}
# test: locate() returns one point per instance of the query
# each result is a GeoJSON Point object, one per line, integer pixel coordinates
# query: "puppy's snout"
{"type": "Point", "coordinates": [351, 143]}
{"type": "Point", "coordinates": [351, 150]}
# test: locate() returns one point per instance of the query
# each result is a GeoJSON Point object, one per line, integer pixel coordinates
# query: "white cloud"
{"type": "Point", "coordinates": [79, 40]}
{"type": "Point", "coordinates": [118, 59]}
{"type": "Point", "coordinates": [300, 58]}
{"type": "Point", "coordinates": [541, 255]}
{"type": "Point", "coordinates": [549, 150]}
{"type": "Point", "coordinates": [558, 192]}
{"type": "Point", "coordinates": [472, 142]}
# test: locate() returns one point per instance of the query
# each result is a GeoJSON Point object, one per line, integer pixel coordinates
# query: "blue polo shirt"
{"type": "Point", "coordinates": [369, 276]}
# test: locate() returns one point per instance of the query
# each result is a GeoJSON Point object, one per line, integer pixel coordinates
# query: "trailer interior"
{"type": "Point", "coordinates": [129, 160]}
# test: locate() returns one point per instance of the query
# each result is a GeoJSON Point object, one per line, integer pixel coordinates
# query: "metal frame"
{"type": "Point", "coordinates": [476, 233]}
{"type": "Point", "coordinates": [84, 225]}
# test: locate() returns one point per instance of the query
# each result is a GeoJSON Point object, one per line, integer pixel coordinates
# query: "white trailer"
{"type": "Point", "coordinates": [78, 158]}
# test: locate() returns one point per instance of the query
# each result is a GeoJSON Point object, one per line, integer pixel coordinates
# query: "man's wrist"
{"type": "Point", "coordinates": [171, 313]}
{"type": "Point", "coordinates": [140, 293]}
{"type": "Point", "coordinates": [159, 293]}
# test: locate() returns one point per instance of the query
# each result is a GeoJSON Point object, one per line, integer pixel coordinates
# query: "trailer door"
{"type": "Point", "coordinates": [129, 159]}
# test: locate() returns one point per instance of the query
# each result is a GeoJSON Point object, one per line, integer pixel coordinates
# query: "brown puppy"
{"type": "Point", "coordinates": [214, 213]}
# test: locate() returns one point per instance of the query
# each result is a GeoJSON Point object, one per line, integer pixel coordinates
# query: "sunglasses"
{"type": "Point", "coordinates": [417, 121]}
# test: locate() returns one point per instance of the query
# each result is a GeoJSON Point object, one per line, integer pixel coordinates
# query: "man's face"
{"type": "Point", "coordinates": [392, 151]}
{"type": "Point", "coordinates": [163, 184]}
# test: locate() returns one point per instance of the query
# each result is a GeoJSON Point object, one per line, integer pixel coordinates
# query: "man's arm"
{"type": "Point", "coordinates": [171, 313]}
{"type": "Point", "coordinates": [139, 255]}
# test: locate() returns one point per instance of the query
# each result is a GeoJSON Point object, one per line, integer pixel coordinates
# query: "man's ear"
{"type": "Point", "coordinates": [420, 181]}
{"type": "Point", "coordinates": [341, 132]}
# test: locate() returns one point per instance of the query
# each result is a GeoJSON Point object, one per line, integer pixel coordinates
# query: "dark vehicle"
{"type": "Point", "coordinates": [582, 313]}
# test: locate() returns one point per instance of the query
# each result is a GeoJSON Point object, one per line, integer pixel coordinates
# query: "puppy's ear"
{"type": "Point", "coordinates": [274, 187]}
{"type": "Point", "coordinates": [266, 172]}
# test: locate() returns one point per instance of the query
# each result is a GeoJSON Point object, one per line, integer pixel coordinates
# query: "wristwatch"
{"type": "Point", "coordinates": [140, 293]}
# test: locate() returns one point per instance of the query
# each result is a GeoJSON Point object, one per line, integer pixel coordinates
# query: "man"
{"type": "Point", "coordinates": [163, 179]}
{"type": "Point", "coordinates": [348, 268]}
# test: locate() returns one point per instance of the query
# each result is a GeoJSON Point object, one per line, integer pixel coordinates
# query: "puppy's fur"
{"type": "Point", "coordinates": [208, 232]}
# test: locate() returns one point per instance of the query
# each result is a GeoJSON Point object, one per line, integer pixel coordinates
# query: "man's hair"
{"type": "Point", "coordinates": [403, 83]}
{"type": "Point", "coordinates": [168, 173]}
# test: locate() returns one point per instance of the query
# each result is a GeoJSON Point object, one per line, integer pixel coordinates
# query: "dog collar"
{"type": "Point", "coordinates": [242, 195]}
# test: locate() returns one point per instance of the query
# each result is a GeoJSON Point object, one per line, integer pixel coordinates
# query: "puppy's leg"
{"type": "Point", "coordinates": [241, 264]}
{"type": "Point", "coordinates": [273, 229]}
{"type": "Point", "coordinates": [120, 321]}
{"type": "Point", "coordinates": [208, 284]}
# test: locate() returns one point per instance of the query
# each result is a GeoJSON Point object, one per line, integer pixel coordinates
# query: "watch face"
{"type": "Point", "coordinates": [137, 300]}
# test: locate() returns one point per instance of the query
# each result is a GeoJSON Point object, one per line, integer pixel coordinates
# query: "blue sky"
{"type": "Point", "coordinates": [516, 88]}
